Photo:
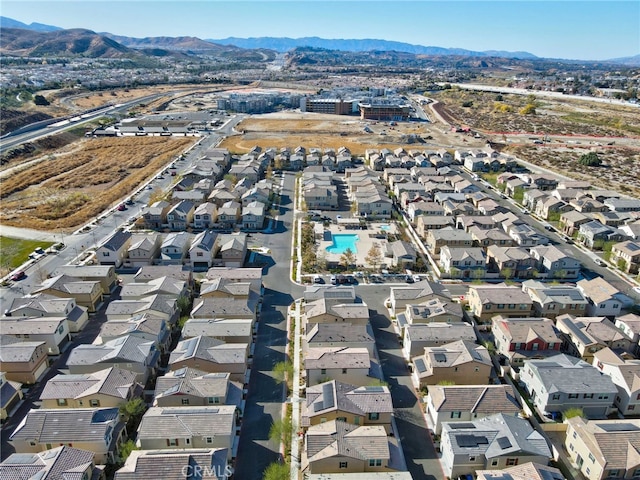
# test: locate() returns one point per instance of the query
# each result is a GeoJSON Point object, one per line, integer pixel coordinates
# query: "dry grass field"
{"type": "Point", "coordinates": [72, 187]}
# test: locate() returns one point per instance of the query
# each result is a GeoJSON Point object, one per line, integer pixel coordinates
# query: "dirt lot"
{"type": "Point", "coordinates": [291, 129]}
{"type": "Point", "coordinates": [67, 189]}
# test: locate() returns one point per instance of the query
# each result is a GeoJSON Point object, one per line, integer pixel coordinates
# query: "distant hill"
{"type": "Point", "coordinates": [6, 22]}
{"type": "Point", "coordinates": [193, 44]}
{"type": "Point", "coordinates": [74, 42]}
{"type": "Point", "coordinates": [627, 61]}
{"type": "Point", "coordinates": [284, 44]}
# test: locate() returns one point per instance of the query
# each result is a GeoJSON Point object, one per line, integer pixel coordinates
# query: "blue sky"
{"type": "Point", "coordinates": [586, 30]}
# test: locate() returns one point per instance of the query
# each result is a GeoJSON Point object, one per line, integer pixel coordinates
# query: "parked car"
{"type": "Point", "coordinates": [18, 276]}
{"type": "Point", "coordinates": [318, 279]}
{"type": "Point", "coordinates": [409, 279]}
{"type": "Point", "coordinates": [129, 201]}
{"type": "Point", "coordinates": [122, 207]}
{"type": "Point", "coordinates": [334, 280]}
{"type": "Point", "coordinates": [599, 262]}
{"type": "Point", "coordinates": [40, 251]}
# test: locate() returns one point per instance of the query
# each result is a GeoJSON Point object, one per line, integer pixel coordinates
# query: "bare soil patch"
{"type": "Point", "coordinates": [72, 188]}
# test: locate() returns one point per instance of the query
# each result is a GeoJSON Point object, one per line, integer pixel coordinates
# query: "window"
{"type": "Point", "coordinates": [571, 447]}
{"type": "Point", "coordinates": [636, 472]}
{"type": "Point", "coordinates": [511, 462]}
{"type": "Point", "coordinates": [187, 441]}
{"type": "Point", "coordinates": [472, 458]}
{"type": "Point", "coordinates": [535, 346]}
{"type": "Point", "coordinates": [62, 402]}
{"type": "Point", "coordinates": [494, 463]}
{"type": "Point", "coordinates": [592, 458]}
{"type": "Point", "coordinates": [323, 371]}
{"type": "Point", "coordinates": [555, 396]}
{"type": "Point", "coordinates": [208, 440]}
{"type": "Point", "coordinates": [588, 471]}
{"type": "Point", "coordinates": [613, 473]}
{"type": "Point", "coordinates": [374, 462]}
{"type": "Point", "coordinates": [487, 307]}
{"type": "Point", "coordinates": [575, 434]}
{"type": "Point", "coordinates": [94, 403]}
{"type": "Point", "coordinates": [573, 395]}
{"type": "Point", "coordinates": [343, 465]}
{"type": "Point", "coordinates": [172, 442]}
{"type": "Point", "coordinates": [213, 400]}
{"type": "Point", "coordinates": [456, 414]}
{"type": "Point", "coordinates": [603, 397]}
{"type": "Point", "coordinates": [341, 419]}
{"type": "Point", "coordinates": [344, 370]}
{"type": "Point", "coordinates": [185, 401]}
{"type": "Point", "coordinates": [587, 395]}
{"type": "Point", "coordinates": [199, 254]}
{"type": "Point", "coordinates": [32, 443]}
{"type": "Point", "coordinates": [631, 407]}
{"type": "Point", "coordinates": [501, 305]}
{"type": "Point", "coordinates": [374, 416]}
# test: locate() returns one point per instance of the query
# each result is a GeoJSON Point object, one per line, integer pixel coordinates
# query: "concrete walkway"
{"type": "Point", "coordinates": [295, 396]}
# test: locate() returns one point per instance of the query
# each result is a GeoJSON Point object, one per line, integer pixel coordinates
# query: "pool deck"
{"type": "Point", "coordinates": [363, 245]}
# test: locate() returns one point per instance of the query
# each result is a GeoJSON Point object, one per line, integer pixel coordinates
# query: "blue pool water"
{"type": "Point", "coordinates": [385, 228]}
{"type": "Point", "coordinates": [342, 241]}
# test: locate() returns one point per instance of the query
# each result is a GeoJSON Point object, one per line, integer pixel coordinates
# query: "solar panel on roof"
{"type": "Point", "coordinates": [374, 389]}
{"type": "Point", "coordinates": [460, 425]}
{"type": "Point", "coordinates": [440, 357]}
{"type": "Point", "coordinates": [327, 395]}
{"type": "Point", "coordinates": [470, 441]}
{"type": "Point", "coordinates": [618, 427]}
{"type": "Point", "coordinates": [419, 363]}
{"type": "Point", "coordinates": [318, 406]}
{"type": "Point", "coordinates": [633, 247]}
{"type": "Point", "coordinates": [504, 443]}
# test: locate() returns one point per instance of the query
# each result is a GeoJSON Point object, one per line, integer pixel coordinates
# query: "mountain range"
{"type": "Point", "coordinates": [39, 39]}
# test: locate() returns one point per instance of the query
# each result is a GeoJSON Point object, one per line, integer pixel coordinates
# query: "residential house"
{"type": "Point", "coordinates": [337, 446]}
{"type": "Point", "coordinates": [105, 274]}
{"type": "Point", "coordinates": [418, 293]}
{"type": "Point", "coordinates": [570, 221]}
{"type": "Point", "coordinates": [229, 214]}
{"type": "Point", "coordinates": [129, 353]}
{"type": "Point", "coordinates": [147, 326]}
{"type": "Point", "coordinates": [416, 209]}
{"type": "Point", "coordinates": [190, 386]}
{"type": "Point", "coordinates": [23, 362]}
{"type": "Point", "coordinates": [205, 216]}
{"type": "Point", "coordinates": [495, 442]}
{"type": "Point", "coordinates": [43, 305]}
{"type": "Point", "coordinates": [53, 331]}
{"type": "Point", "coordinates": [627, 256]}
{"type": "Point", "coordinates": [629, 324]}
{"type": "Point", "coordinates": [159, 286]}
{"type": "Point", "coordinates": [57, 463]}
{"type": "Point", "coordinates": [466, 403]}
{"type": "Point", "coordinates": [222, 197]}
{"type": "Point", "coordinates": [108, 388]}
{"type": "Point", "coordinates": [418, 336]}
{"type": "Point", "coordinates": [604, 449]}
{"type": "Point", "coordinates": [402, 253]}
{"type": "Point", "coordinates": [424, 223]}
{"type": "Point", "coordinates": [253, 215]}
{"type": "Point", "coordinates": [212, 356]}
{"type": "Point", "coordinates": [324, 310]}
{"type": "Point", "coordinates": [584, 336]}
{"type": "Point", "coordinates": [585, 204]}
{"type": "Point", "coordinates": [143, 250]}
{"type": "Point", "coordinates": [346, 364]}
{"type": "Point", "coordinates": [10, 395]}
{"type": "Point", "coordinates": [114, 249]}
{"type": "Point", "coordinates": [174, 248]}
{"type": "Point", "coordinates": [232, 249]}
{"type": "Point", "coordinates": [436, 239]}
{"type": "Point", "coordinates": [554, 263]}
{"type": "Point", "coordinates": [321, 335]}
{"type": "Point", "coordinates": [462, 362]}
{"type": "Point", "coordinates": [561, 382]}
{"type": "Point", "coordinates": [509, 301]}
{"type": "Point", "coordinates": [594, 234]}
{"type": "Point", "coordinates": [459, 262]}
{"type": "Point", "coordinates": [173, 464]}
{"type": "Point", "coordinates": [224, 307]}
{"type": "Point", "coordinates": [526, 471]}
{"type": "Point", "coordinates": [150, 272]}
{"type": "Point", "coordinates": [625, 374]}
{"type": "Point", "coordinates": [510, 262]}
{"type": "Point", "coordinates": [180, 215]}
{"type": "Point", "coordinates": [553, 300]}
{"type": "Point", "coordinates": [164, 306]}
{"type": "Point", "coordinates": [87, 294]}
{"type": "Point", "coordinates": [526, 236]}
{"type": "Point", "coordinates": [229, 330]}
{"type": "Point", "coordinates": [602, 297]}
{"type": "Point", "coordinates": [251, 275]}
{"type": "Point", "coordinates": [100, 431]}
{"type": "Point", "coordinates": [203, 250]}
{"type": "Point", "coordinates": [333, 400]}
{"type": "Point", "coordinates": [177, 428]}
{"type": "Point", "coordinates": [520, 339]}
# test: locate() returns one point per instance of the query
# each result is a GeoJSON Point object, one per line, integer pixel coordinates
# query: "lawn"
{"type": "Point", "coordinates": [14, 252]}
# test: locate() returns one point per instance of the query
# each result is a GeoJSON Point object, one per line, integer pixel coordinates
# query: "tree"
{"type": "Point", "coordinates": [374, 256]}
{"type": "Point", "coordinates": [277, 471]}
{"type": "Point", "coordinates": [507, 272]}
{"type": "Point", "coordinates": [40, 100]}
{"type": "Point", "coordinates": [184, 304]}
{"type": "Point", "coordinates": [590, 159]}
{"type": "Point", "coordinates": [347, 258]}
{"type": "Point", "coordinates": [232, 178]}
{"type": "Point", "coordinates": [281, 430]}
{"type": "Point", "coordinates": [573, 412]}
{"type": "Point", "coordinates": [528, 109]}
{"type": "Point", "coordinates": [132, 411]}
{"type": "Point", "coordinates": [489, 345]}
{"type": "Point", "coordinates": [446, 383]}
{"type": "Point", "coordinates": [126, 449]}
{"type": "Point", "coordinates": [282, 371]}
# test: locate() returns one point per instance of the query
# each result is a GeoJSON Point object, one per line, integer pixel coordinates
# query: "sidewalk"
{"type": "Point", "coordinates": [295, 398]}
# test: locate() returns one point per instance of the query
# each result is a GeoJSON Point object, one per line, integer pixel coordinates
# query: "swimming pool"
{"type": "Point", "coordinates": [385, 227]}
{"type": "Point", "coordinates": [342, 241]}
